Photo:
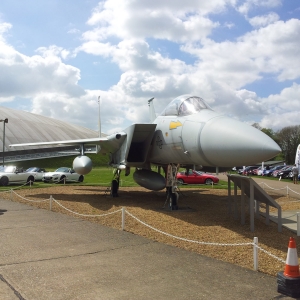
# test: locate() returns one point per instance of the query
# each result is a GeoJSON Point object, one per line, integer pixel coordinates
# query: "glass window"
{"type": "Point", "coordinates": [185, 105]}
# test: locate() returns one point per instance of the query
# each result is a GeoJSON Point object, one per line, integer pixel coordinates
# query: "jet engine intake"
{"type": "Point", "coordinates": [82, 165]}
{"type": "Point", "coordinates": [149, 179]}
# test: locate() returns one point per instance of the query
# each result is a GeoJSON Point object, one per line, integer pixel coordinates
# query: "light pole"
{"type": "Point", "coordinates": [4, 121]}
{"type": "Point", "coordinates": [99, 120]}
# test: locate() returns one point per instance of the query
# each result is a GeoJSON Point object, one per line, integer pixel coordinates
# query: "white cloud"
{"type": "Point", "coordinates": [128, 34]}
{"type": "Point", "coordinates": [249, 5]}
{"type": "Point", "coordinates": [175, 21]}
{"type": "Point", "coordinates": [26, 76]}
{"type": "Point", "coordinates": [283, 108]}
{"type": "Point", "coordinates": [261, 21]}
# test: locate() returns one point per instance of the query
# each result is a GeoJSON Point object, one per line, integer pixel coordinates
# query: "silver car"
{"type": "Point", "coordinates": [13, 174]}
{"type": "Point", "coordinates": [38, 173]}
{"type": "Point", "coordinates": [62, 175]}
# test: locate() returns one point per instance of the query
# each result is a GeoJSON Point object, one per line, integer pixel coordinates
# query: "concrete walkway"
{"type": "Point", "coordinates": [47, 255]}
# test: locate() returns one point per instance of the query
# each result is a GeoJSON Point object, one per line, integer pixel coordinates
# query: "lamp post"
{"type": "Point", "coordinates": [4, 121]}
{"type": "Point", "coordinates": [99, 120]}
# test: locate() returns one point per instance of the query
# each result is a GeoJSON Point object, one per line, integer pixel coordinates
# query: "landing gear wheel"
{"type": "Point", "coordinates": [114, 188]}
{"type": "Point", "coordinates": [174, 201]}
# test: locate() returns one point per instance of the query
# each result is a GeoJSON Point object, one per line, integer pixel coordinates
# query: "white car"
{"type": "Point", "coordinates": [13, 174]}
{"type": "Point", "coordinates": [62, 175]}
{"type": "Point", "coordinates": [38, 173]}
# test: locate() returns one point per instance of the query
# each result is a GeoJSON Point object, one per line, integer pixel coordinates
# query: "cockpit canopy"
{"type": "Point", "coordinates": [185, 105]}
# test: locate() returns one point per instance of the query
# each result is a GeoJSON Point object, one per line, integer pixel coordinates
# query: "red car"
{"type": "Point", "coordinates": [196, 177]}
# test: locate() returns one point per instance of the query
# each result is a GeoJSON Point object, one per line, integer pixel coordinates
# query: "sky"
{"type": "Point", "coordinates": [242, 57]}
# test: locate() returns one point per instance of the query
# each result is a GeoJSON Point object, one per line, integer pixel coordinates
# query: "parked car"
{"type": "Point", "coordinates": [13, 175]}
{"type": "Point", "coordinates": [276, 173]}
{"type": "Point", "coordinates": [291, 176]}
{"type": "Point", "coordinates": [271, 170]}
{"type": "Point", "coordinates": [284, 173]}
{"type": "Point", "coordinates": [62, 175]}
{"type": "Point", "coordinates": [257, 171]}
{"type": "Point", "coordinates": [248, 170]}
{"type": "Point", "coordinates": [196, 177]}
{"type": "Point", "coordinates": [38, 173]}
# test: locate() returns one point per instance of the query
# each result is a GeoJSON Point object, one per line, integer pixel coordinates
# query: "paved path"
{"type": "Point", "coordinates": [47, 255]}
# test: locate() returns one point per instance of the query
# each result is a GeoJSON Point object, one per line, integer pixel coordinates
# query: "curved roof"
{"type": "Point", "coordinates": [25, 127]}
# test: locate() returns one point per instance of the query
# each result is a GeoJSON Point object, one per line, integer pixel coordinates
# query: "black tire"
{"type": "Point", "coordinates": [4, 181]}
{"type": "Point", "coordinates": [30, 178]}
{"type": "Point", "coordinates": [174, 201]}
{"type": "Point", "coordinates": [61, 180]}
{"type": "Point", "coordinates": [114, 188]}
{"type": "Point", "coordinates": [180, 181]}
{"type": "Point", "coordinates": [80, 179]}
{"type": "Point", "coordinates": [209, 181]}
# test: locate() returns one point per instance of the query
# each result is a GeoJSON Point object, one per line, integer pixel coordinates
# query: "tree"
{"type": "Point", "coordinates": [288, 139]}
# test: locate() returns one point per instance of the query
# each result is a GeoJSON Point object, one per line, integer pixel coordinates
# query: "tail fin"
{"type": "Point", "coordinates": [151, 110]}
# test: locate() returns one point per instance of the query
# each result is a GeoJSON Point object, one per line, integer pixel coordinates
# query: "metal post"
{"type": "Point", "coordinates": [251, 204]}
{"type": "Point", "coordinates": [123, 218]}
{"type": "Point", "coordinates": [242, 202]}
{"type": "Point", "coordinates": [99, 120]}
{"type": "Point", "coordinates": [298, 224]}
{"type": "Point", "coordinates": [235, 202]}
{"type": "Point", "coordinates": [4, 121]}
{"type": "Point", "coordinates": [229, 195]}
{"type": "Point", "coordinates": [255, 254]}
{"type": "Point", "coordinates": [51, 203]}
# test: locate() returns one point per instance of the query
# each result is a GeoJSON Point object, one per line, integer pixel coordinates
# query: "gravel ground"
{"type": "Point", "coordinates": [203, 216]}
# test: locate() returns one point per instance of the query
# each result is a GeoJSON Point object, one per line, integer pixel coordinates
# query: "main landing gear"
{"type": "Point", "coordinates": [171, 185]}
{"type": "Point", "coordinates": [115, 184]}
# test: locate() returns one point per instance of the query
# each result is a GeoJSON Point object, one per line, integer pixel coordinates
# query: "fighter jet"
{"type": "Point", "coordinates": [188, 133]}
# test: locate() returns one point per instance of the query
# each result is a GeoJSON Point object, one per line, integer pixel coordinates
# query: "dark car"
{"type": "Point", "coordinates": [276, 172]}
{"type": "Point", "coordinates": [270, 171]}
{"type": "Point", "coordinates": [248, 170]}
{"type": "Point", "coordinates": [196, 177]}
{"type": "Point", "coordinates": [284, 172]}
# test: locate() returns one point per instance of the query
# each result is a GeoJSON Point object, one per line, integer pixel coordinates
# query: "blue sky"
{"type": "Point", "coordinates": [242, 57]}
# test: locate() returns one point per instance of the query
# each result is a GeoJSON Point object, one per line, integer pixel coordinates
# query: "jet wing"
{"type": "Point", "coordinates": [110, 143]}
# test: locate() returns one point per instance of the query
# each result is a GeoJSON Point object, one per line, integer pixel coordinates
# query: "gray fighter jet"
{"type": "Point", "coordinates": [188, 133]}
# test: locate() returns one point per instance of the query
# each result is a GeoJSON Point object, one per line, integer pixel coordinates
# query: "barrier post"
{"type": "Point", "coordinates": [64, 180]}
{"type": "Point", "coordinates": [255, 254]}
{"type": "Point", "coordinates": [123, 218]}
{"type": "Point", "coordinates": [11, 195]}
{"type": "Point", "coordinates": [51, 203]}
{"type": "Point", "coordinates": [298, 224]}
{"type": "Point", "coordinates": [287, 191]}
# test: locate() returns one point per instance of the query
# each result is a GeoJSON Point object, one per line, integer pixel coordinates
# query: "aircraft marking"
{"type": "Point", "coordinates": [174, 124]}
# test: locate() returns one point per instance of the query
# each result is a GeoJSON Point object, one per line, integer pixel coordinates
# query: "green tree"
{"type": "Point", "coordinates": [288, 140]}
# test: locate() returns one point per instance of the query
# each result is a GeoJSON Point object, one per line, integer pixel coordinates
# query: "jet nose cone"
{"type": "Point", "coordinates": [226, 142]}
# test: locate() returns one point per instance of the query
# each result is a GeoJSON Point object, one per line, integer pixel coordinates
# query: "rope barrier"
{"type": "Point", "coordinates": [184, 239]}
{"type": "Point", "coordinates": [26, 199]}
{"type": "Point", "coordinates": [83, 214]}
{"type": "Point", "coordinates": [124, 211]}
